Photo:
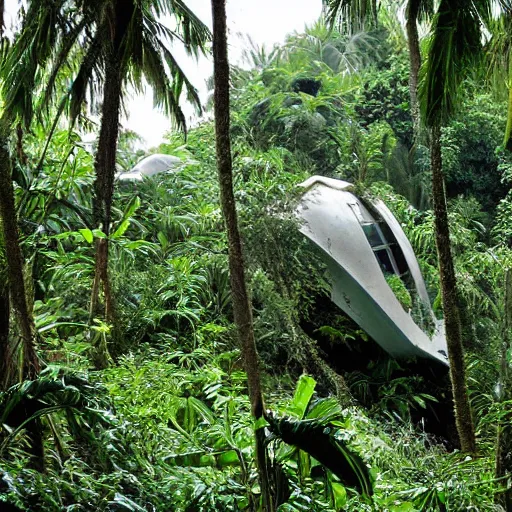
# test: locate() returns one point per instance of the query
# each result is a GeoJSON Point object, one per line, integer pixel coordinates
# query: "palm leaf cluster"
{"type": "Point", "coordinates": [319, 439]}
{"type": "Point", "coordinates": [352, 15]}
{"type": "Point", "coordinates": [454, 48]}
{"type": "Point", "coordinates": [63, 49]}
{"type": "Point", "coordinates": [52, 392]}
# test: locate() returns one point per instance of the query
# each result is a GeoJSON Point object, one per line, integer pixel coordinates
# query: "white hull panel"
{"type": "Point", "coordinates": [331, 217]}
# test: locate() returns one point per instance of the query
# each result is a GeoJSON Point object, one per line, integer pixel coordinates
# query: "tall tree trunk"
{"type": "Point", "coordinates": [5, 357]}
{"type": "Point", "coordinates": [2, 17]}
{"type": "Point", "coordinates": [463, 417]}
{"type": "Point", "coordinates": [105, 168]}
{"type": "Point", "coordinates": [504, 437]}
{"type": "Point", "coordinates": [241, 304]}
{"type": "Point", "coordinates": [508, 129]}
{"type": "Point", "coordinates": [29, 366]}
{"type": "Point", "coordinates": [121, 14]}
{"type": "Point", "coordinates": [6, 367]}
{"type": "Point", "coordinates": [14, 259]}
{"type": "Point", "coordinates": [413, 41]}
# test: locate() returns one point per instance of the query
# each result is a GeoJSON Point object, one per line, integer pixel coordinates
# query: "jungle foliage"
{"type": "Point", "coordinates": [166, 424]}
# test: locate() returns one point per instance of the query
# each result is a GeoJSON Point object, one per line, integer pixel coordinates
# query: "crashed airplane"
{"type": "Point", "coordinates": [362, 243]}
{"type": "Point", "coordinates": [150, 166]}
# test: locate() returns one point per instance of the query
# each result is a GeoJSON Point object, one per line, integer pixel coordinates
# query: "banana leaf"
{"type": "Point", "coordinates": [319, 440]}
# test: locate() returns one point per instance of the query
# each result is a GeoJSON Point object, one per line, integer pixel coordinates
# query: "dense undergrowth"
{"type": "Point", "coordinates": [166, 424]}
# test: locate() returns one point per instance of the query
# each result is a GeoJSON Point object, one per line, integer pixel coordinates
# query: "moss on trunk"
{"type": "Point", "coordinates": [241, 303]}
{"type": "Point", "coordinates": [508, 129]}
{"type": "Point", "coordinates": [463, 417]}
{"type": "Point", "coordinates": [14, 260]}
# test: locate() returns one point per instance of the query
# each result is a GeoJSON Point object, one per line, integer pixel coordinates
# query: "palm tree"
{"type": "Point", "coordinates": [499, 50]}
{"type": "Point", "coordinates": [357, 13]}
{"type": "Point", "coordinates": [14, 292]}
{"type": "Point", "coordinates": [454, 46]}
{"type": "Point", "coordinates": [500, 53]}
{"type": "Point", "coordinates": [508, 130]}
{"type": "Point", "coordinates": [353, 15]}
{"type": "Point", "coordinates": [241, 303]}
{"type": "Point", "coordinates": [504, 429]}
{"type": "Point", "coordinates": [414, 12]}
{"type": "Point", "coordinates": [19, 359]}
{"type": "Point", "coordinates": [114, 42]}
{"type": "Point", "coordinates": [455, 42]}
{"type": "Point", "coordinates": [320, 47]}
{"type": "Point", "coordinates": [29, 367]}
{"type": "Point", "coordinates": [5, 307]}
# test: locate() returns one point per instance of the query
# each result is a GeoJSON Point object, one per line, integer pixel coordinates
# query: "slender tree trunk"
{"type": "Point", "coordinates": [6, 366]}
{"type": "Point", "coordinates": [7, 369]}
{"type": "Point", "coordinates": [2, 18]}
{"type": "Point", "coordinates": [463, 417]}
{"type": "Point", "coordinates": [29, 366]}
{"type": "Point", "coordinates": [508, 129]}
{"type": "Point", "coordinates": [241, 303]}
{"type": "Point", "coordinates": [504, 437]}
{"type": "Point", "coordinates": [121, 15]}
{"type": "Point", "coordinates": [22, 156]}
{"type": "Point", "coordinates": [105, 168]}
{"type": "Point", "coordinates": [412, 12]}
{"type": "Point", "coordinates": [14, 259]}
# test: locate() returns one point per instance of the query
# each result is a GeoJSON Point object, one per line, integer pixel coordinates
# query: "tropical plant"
{"type": "Point", "coordinates": [135, 48]}
{"type": "Point", "coordinates": [447, 61]}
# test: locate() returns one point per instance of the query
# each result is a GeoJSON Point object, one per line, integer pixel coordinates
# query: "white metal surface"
{"type": "Point", "coordinates": [151, 165]}
{"type": "Point", "coordinates": [331, 217]}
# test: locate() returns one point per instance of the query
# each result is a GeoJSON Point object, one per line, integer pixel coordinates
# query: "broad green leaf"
{"type": "Point", "coordinates": [121, 229]}
{"type": "Point", "coordinates": [229, 458]}
{"type": "Point", "coordinates": [339, 494]}
{"type": "Point", "coordinates": [420, 401]}
{"type": "Point", "coordinates": [87, 234]}
{"type": "Point", "coordinates": [124, 224]}
{"type": "Point", "coordinates": [207, 460]}
{"type": "Point", "coordinates": [132, 207]}
{"type": "Point", "coordinates": [98, 233]}
{"type": "Point", "coordinates": [202, 410]}
{"type": "Point", "coordinates": [303, 394]}
{"type": "Point", "coordinates": [162, 239]}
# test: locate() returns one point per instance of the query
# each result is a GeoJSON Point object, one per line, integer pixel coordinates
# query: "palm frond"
{"type": "Point", "coordinates": [454, 47]}
{"type": "Point", "coordinates": [319, 440]}
{"type": "Point", "coordinates": [31, 51]}
{"type": "Point", "coordinates": [351, 15]}
{"type": "Point", "coordinates": [54, 390]}
{"type": "Point", "coordinates": [91, 65]}
{"type": "Point", "coordinates": [195, 33]}
{"type": "Point", "coordinates": [60, 60]}
{"type": "Point", "coordinates": [156, 74]}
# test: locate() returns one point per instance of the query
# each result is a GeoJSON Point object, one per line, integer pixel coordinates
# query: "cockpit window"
{"type": "Point", "coordinates": [383, 248]}
{"type": "Point", "coordinates": [373, 234]}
